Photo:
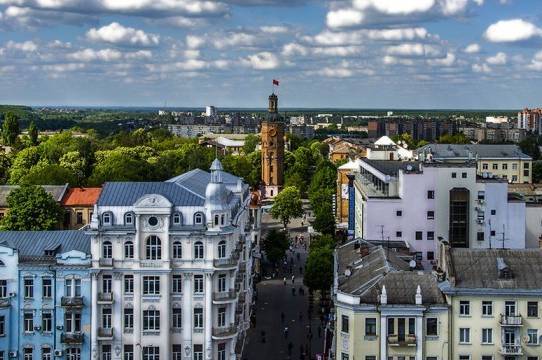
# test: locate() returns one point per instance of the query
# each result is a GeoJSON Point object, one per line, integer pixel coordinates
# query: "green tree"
{"type": "Point", "coordinates": [537, 171]}
{"type": "Point", "coordinates": [23, 162]}
{"type": "Point", "coordinates": [119, 166]}
{"type": "Point", "coordinates": [33, 133]}
{"type": "Point", "coordinates": [31, 208]}
{"type": "Point", "coordinates": [251, 141]}
{"type": "Point", "coordinates": [5, 164]}
{"type": "Point", "coordinates": [287, 205]}
{"type": "Point", "coordinates": [275, 245]}
{"type": "Point", "coordinates": [324, 220]}
{"type": "Point", "coordinates": [49, 174]}
{"type": "Point", "coordinates": [319, 269]}
{"type": "Point", "coordinates": [76, 164]}
{"type": "Point", "coordinates": [530, 147]}
{"type": "Point", "coordinates": [10, 129]}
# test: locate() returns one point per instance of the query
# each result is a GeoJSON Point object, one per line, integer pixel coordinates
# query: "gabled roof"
{"type": "Point", "coordinates": [56, 191]}
{"type": "Point", "coordinates": [81, 196]}
{"type": "Point", "coordinates": [127, 193]}
{"type": "Point", "coordinates": [35, 243]}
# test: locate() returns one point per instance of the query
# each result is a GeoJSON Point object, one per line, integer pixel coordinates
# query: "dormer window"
{"type": "Point", "coordinates": [107, 219]}
{"type": "Point", "coordinates": [222, 217]}
{"type": "Point", "coordinates": [129, 219]}
{"type": "Point", "coordinates": [216, 220]}
{"type": "Point", "coordinates": [177, 219]}
{"type": "Point", "coordinates": [198, 218]}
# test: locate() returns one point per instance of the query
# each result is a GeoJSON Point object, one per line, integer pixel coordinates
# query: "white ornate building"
{"type": "Point", "coordinates": [171, 268]}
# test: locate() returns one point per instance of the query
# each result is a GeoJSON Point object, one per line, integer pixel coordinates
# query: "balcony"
{"type": "Point", "coordinates": [105, 262]}
{"type": "Point", "coordinates": [402, 340]}
{"type": "Point", "coordinates": [5, 302]}
{"type": "Point", "coordinates": [105, 333]}
{"type": "Point", "coordinates": [226, 263]}
{"type": "Point", "coordinates": [105, 298]}
{"type": "Point", "coordinates": [73, 338]}
{"type": "Point", "coordinates": [511, 320]}
{"type": "Point", "coordinates": [224, 295]}
{"type": "Point", "coordinates": [224, 332]}
{"type": "Point", "coordinates": [511, 349]}
{"type": "Point", "coordinates": [72, 301]}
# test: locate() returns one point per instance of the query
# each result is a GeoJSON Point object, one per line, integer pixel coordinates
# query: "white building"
{"type": "Point", "coordinates": [421, 202]}
{"type": "Point", "coordinates": [210, 111]}
{"type": "Point", "coordinates": [171, 268]}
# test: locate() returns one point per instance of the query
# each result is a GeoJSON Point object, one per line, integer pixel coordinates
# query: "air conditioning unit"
{"type": "Point", "coordinates": [37, 328]}
{"type": "Point", "coordinates": [12, 354]}
{"type": "Point", "coordinates": [480, 221]}
{"type": "Point", "coordinates": [12, 294]}
{"type": "Point", "coordinates": [59, 327]}
{"type": "Point", "coordinates": [58, 352]}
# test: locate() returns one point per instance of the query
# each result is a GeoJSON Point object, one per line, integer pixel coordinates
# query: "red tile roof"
{"type": "Point", "coordinates": [81, 196]}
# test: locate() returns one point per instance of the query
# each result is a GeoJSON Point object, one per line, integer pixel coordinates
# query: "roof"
{"type": "Point", "coordinates": [56, 191]}
{"type": "Point", "coordinates": [384, 140]}
{"type": "Point", "coordinates": [372, 267]}
{"type": "Point", "coordinates": [470, 151]}
{"type": "Point", "coordinates": [351, 165]}
{"type": "Point", "coordinates": [81, 196]}
{"type": "Point", "coordinates": [35, 243]}
{"type": "Point", "coordinates": [392, 167]}
{"type": "Point", "coordinates": [525, 189]}
{"type": "Point", "coordinates": [477, 268]}
{"type": "Point", "coordinates": [229, 142]}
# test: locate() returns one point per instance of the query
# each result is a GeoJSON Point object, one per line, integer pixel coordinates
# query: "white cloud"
{"type": "Point", "coordinates": [60, 68]}
{"type": "Point", "coordinates": [413, 49]}
{"type": "Point", "coordinates": [397, 34]}
{"type": "Point", "coordinates": [235, 39]}
{"type": "Point", "coordinates": [481, 68]}
{"type": "Point", "coordinates": [137, 55]}
{"type": "Point", "coordinates": [395, 7]}
{"type": "Point", "coordinates": [194, 42]}
{"type": "Point", "coordinates": [117, 34]}
{"type": "Point", "coordinates": [292, 49]}
{"type": "Point", "coordinates": [88, 55]}
{"type": "Point", "coordinates": [392, 60]}
{"type": "Point", "coordinates": [449, 60]}
{"type": "Point", "coordinates": [512, 31]}
{"type": "Point", "coordinates": [472, 48]}
{"type": "Point", "coordinates": [338, 51]}
{"type": "Point", "coordinates": [356, 37]}
{"type": "Point", "coordinates": [262, 61]}
{"type": "Point", "coordinates": [452, 7]}
{"type": "Point", "coordinates": [334, 72]}
{"type": "Point", "coordinates": [344, 18]}
{"type": "Point", "coordinates": [499, 59]}
{"type": "Point", "coordinates": [274, 29]}
{"type": "Point", "coordinates": [25, 46]}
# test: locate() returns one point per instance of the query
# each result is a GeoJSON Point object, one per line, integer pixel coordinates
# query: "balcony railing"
{"type": "Point", "coordinates": [5, 302]}
{"type": "Point", "coordinates": [105, 333]}
{"type": "Point", "coordinates": [224, 295]}
{"type": "Point", "coordinates": [72, 301]}
{"type": "Point", "coordinates": [226, 262]}
{"type": "Point", "coordinates": [72, 338]}
{"type": "Point", "coordinates": [511, 320]}
{"type": "Point", "coordinates": [106, 262]}
{"type": "Point", "coordinates": [404, 340]}
{"type": "Point", "coordinates": [511, 349]}
{"type": "Point", "coordinates": [225, 331]}
{"type": "Point", "coordinates": [105, 297]}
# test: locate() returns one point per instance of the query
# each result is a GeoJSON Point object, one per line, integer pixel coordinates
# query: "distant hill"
{"type": "Point", "coordinates": [23, 112]}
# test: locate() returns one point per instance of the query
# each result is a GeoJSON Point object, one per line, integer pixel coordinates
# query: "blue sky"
{"type": "Point", "coordinates": [343, 53]}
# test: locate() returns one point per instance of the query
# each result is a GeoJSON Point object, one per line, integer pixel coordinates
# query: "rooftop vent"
{"type": "Point", "coordinates": [504, 271]}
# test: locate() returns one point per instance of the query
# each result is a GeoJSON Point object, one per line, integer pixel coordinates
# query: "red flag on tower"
{"type": "Point", "coordinates": [275, 82]}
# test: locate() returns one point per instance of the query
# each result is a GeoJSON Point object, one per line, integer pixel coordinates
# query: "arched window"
{"type": "Point", "coordinates": [222, 249]}
{"type": "Point", "coordinates": [177, 250]}
{"type": "Point", "coordinates": [128, 250]}
{"type": "Point", "coordinates": [198, 218]}
{"type": "Point", "coordinates": [198, 250]}
{"type": "Point", "coordinates": [107, 250]}
{"type": "Point", "coordinates": [177, 219]}
{"type": "Point", "coordinates": [107, 218]}
{"type": "Point", "coordinates": [129, 219]}
{"type": "Point", "coordinates": [222, 217]}
{"type": "Point", "coordinates": [153, 248]}
{"type": "Point", "coordinates": [216, 220]}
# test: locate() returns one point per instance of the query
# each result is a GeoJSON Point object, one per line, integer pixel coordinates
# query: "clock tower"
{"type": "Point", "coordinates": [272, 136]}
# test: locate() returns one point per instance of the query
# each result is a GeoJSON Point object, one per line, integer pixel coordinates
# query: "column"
{"type": "Point", "coordinates": [94, 315]}
{"type": "Point", "coordinates": [166, 317]}
{"type": "Point", "coordinates": [117, 314]}
{"type": "Point", "coordinates": [383, 338]}
{"type": "Point", "coordinates": [138, 312]}
{"type": "Point", "coordinates": [187, 316]}
{"type": "Point", "coordinates": [419, 338]}
{"type": "Point", "coordinates": [209, 315]}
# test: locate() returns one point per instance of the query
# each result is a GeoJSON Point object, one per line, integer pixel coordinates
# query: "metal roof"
{"type": "Point", "coordinates": [35, 243]}
{"type": "Point", "coordinates": [56, 191]}
{"type": "Point", "coordinates": [466, 151]}
{"type": "Point", "coordinates": [392, 167]}
{"type": "Point", "coordinates": [127, 193]}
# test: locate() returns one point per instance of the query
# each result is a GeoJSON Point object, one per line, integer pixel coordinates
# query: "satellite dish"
{"type": "Point", "coordinates": [412, 264]}
{"type": "Point", "coordinates": [347, 272]}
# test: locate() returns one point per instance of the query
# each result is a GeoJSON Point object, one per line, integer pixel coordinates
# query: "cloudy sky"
{"type": "Point", "coordinates": [339, 53]}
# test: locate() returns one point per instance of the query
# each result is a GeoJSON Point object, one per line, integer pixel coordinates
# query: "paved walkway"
{"type": "Point", "coordinates": [274, 299]}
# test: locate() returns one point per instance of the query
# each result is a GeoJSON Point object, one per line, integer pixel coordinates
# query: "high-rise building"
{"type": "Point", "coordinates": [272, 137]}
{"type": "Point", "coordinates": [530, 120]}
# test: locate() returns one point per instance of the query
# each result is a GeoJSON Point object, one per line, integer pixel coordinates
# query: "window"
{"type": "Point", "coordinates": [487, 336]}
{"type": "Point", "coordinates": [28, 288]}
{"type": "Point", "coordinates": [430, 255]}
{"type": "Point", "coordinates": [177, 351]}
{"type": "Point", "coordinates": [221, 351]}
{"type": "Point", "coordinates": [2, 326]}
{"type": "Point", "coordinates": [153, 248]}
{"type": "Point", "coordinates": [430, 235]}
{"type": "Point", "coordinates": [216, 220]}
{"type": "Point", "coordinates": [222, 282]}
{"type": "Point", "coordinates": [151, 285]}
{"type": "Point", "coordinates": [151, 353]}
{"type": "Point", "coordinates": [153, 221]}
{"type": "Point", "coordinates": [481, 195]}
{"type": "Point", "coordinates": [46, 353]}
{"type": "Point", "coordinates": [525, 172]}
{"type": "Point", "coordinates": [46, 321]}
{"type": "Point", "coordinates": [514, 178]}
{"type": "Point", "coordinates": [430, 215]}
{"type": "Point", "coordinates": [344, 356]}
{"type": "Point", "coordinates": [431, 327]}
{"type": "Point", "coordinates": [128, 219]}
{"type": "Point", "coordinates": [198, 352]}
{"type": "Point", "coordinates": [525, 165]}
{"type": "Point", "coordinates": [344, 324]}
{"type": "Point", "coordinates": [495, 166]}
{"type": "Point", "coordinates": [28, 320]}
{"type": "Point", "coordinates": [176, 284]}
{"type": "Point", "coordinates": [128, 250]}
{"type": "Point", "coordinates": [464, 335]}
{"type": "Point", "coordinates": [492, 233]}
{"type": "Point", "coordinates": [454, 175]}
{"type": "Point", "coordinates": [106, 352]}
{"type": "Point", "coordinates": [419, 235]}
{"type": "Point", "coordinates": [73, 354]}
{"type": "Point", "coordinates": [398, 234]}
{"type": "Point", "coordinates": [198, 318]}
{"type": "Point", "coordinates": [47, 288]}
{"type": "Point", "coordinates": [107, 218]}
{"type": "Point", "coordinates": [533, 336]}
{"type": "Point", "coordinates": [418, 255]}
{"type": "Point", "coordinates": [222, 249]}
{"type": "Point", "coordinates": [128, 284]}
{"type": "Point", "coordinates": [128, 352]}
{"type": "Point", "coordinates": [198, 250]}
{"type": "Point", "coordinates": [464, 175]}
{"type": "Point", "coordinates": [177, 250]}
{"type": "Point", "coordinates": [107, 284]}
{"type": "Point", "coordinates": [370, 357]}
{"type": "Point", "coordinates": [128, 319]}
{"type": "Point", "coordinates": [487, 308]}
{"type": "Point", "coordinates": [72, 322]}
{"type": "Point", "coordinates": [430, 194]}
{"type": "Point", "coordinates": [107, 250]}
{"type": "Point", "coordinates": [464, 308]}
{"type": "Point", "coordinates": [485, 166]}
{"type": "Point", "coordinates": [493, 212]}
{"type": "Point", "coordinates": [532, 309]}
{"type": "Point", "coordinates": [370, 327]}
{"type": "Point", "coordinates": [151, 320]}
{"type": "Point", "coordinates": [177, 219]}
{"type": "Point", "coordinates": [464, 357]}
{"type": "Point", "coordinates": [528, 358]}
{"type": "Point", "coordinates": [177, 320]}
{"type": "Point", "coordinates": [510, 308]}
{"type": "Point", "coordinates": [487, 357]}
{"type": "Point", "coordinates": [399, 213]}
{"type": "Point", "coordinates": [198, 218]}
{"type": "Point", "coordinates": [514, 166]}
{"type": "Point", "coordinates": [221, 317]}
{"type": "Point", "coordinates": [106, 318]}
{"type": "Point", "coordinates": [72, 287]}
{"type": "Point", "coordinates": [505, 166]}
{"type": "Point", "coordinates": [3, 289]}
{"type": "Point", "coordinates": [198, 284]}
{"type": "Point", "coordinates": [480, 235]}
{"type": "Point", "coordinates": [27, 354]}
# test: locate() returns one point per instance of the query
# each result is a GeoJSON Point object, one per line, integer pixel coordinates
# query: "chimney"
{"type": "Point", "coordinates": [418, 296]}
{"type": "Point", "coordinates": [384, 296]}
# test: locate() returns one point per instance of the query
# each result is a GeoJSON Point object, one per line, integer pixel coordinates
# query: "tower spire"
{"type": "Point", "coordinates": [273, 103]}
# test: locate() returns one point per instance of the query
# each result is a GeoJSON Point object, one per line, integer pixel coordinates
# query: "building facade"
{"type": "Point", "coordinates": [79, 205]}
{"type": "Point", "coordinates": [272, 139]}
{"type": "Point", "coordinates": [530, 120]}
{"type": "Point", "coordinates": [56, 191]}
{"type": "Point", "coordinates": [171, 268]}
{"type": "Point", "coordinates": [45, 291]}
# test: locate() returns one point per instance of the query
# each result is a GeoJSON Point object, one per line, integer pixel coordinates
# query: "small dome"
{"type": "Point", "coordinates": [216, 165]}
{"type": "Point", "coordinates": [216, 196]}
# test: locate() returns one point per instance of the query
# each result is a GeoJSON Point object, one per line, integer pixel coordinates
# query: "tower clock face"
{"type": "Point", "coordinates": [273, 132]}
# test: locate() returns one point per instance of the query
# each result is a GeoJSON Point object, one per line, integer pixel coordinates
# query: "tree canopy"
{"type": "Point", "coordinates": [275, 245]}
{"type": "Point", "coordinates": [10, 129]}
{"type": "Point", "coordinates": [287, 205]}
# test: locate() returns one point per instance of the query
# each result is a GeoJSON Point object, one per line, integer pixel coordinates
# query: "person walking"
{"type": "Point", "coordinates": [293, 279]}
{"type": "Point", "coordinates": [286, 332]}
{"type": "Point", "coordinates": [284, 280]}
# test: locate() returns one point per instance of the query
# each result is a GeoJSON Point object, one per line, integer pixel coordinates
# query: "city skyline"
{"type": "Point", "coordinates": [467, 54]}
